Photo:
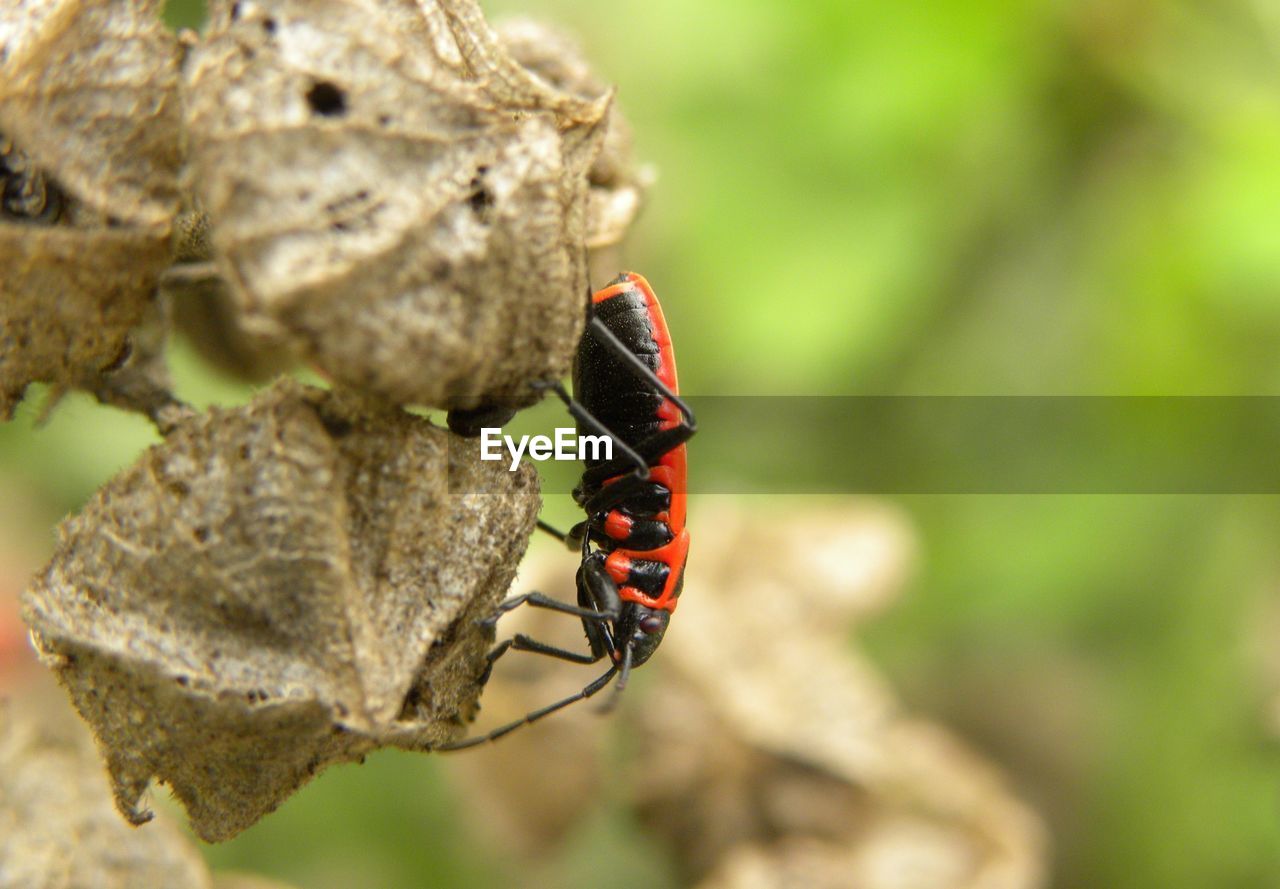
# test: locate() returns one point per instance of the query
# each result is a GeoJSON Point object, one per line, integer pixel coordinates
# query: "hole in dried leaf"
{"type": "Point", "coordinates": [269, 25]}
{"type": "Point", "coordinates": [481, 200]}
{"type": "Point", "coordinates": [326, 99]}
{"type": "Point", "coordinates": [201, 534]}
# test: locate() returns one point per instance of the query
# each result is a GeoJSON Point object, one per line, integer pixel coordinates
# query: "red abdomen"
{"type": "Point", "coordinates": [646, 540]}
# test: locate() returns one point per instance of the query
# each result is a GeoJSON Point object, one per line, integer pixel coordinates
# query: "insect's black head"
{"type": "Point", "coordinates": [644, 627]}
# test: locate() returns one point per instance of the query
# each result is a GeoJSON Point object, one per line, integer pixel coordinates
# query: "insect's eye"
{"type": "Point", "coordinates": [652, 623]}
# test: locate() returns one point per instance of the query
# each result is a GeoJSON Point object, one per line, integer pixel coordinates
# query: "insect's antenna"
{"type": "Point", "coordinates": [625, 671]}
{"type": "Point", "coordinates": [607, 338]}
{"type": "Point", "coordinates": [585, 418]}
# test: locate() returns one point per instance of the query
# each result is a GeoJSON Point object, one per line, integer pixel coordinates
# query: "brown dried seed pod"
{"type": "Point", "coordinates": [921, 858]}
{"type": "Point", "coordinates": [205, 310]}
{"type": "Point", "coordinates": [69, 299]}
{"type": "Point", "coordinates": [276, 588]}
{"type": "Point", "coordinates": [90, 91]}
{"type": "Point", "coordinates": [774, 754]}
{"type": "Point", "coordinates": [617, 185]}
{"type": "Point", "coordinates": [207, 313]}
{"type": "Point", "coordinates": [89, 152]}
{"type": "Point", "coordinates": [774, 729]}
{"type": "Point", "coordinates": [392, 195]}
{"type": "Point", "coordinates": [58, 827]}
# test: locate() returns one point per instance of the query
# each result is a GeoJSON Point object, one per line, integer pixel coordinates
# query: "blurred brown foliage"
{"type": "Point", "coordinates": [768, 752]}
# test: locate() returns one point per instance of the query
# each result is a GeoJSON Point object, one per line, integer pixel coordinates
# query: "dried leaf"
{"type": "Point", "coordinates": [89, 144]}
{"type": "Point", "coordinates": [89, 90]}
{"type": "Point", "coordinates": [276, 588]}
{"type": "Point", "coordinates": [58, 827]}
{"type": "Point", "coordinates": [763, 648]}
{"type": "Point", "coordinates": [392, 195]}
{"type": "Point", "coordinates": [785, 757]}
{"type": "Point", "coordinates": [68, 302]}
{"type": "Point", "coordinates": [617, 185]}
{"type": "Point", "coordinates": [138, 379]}
{"type": "Point", "coordinates": [207, 313]}
{"type": "Point", "coordinates": [916, 857]}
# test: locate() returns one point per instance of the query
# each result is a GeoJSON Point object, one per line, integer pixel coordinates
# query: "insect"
{"type": "Point", "coordinates": [633, 541]}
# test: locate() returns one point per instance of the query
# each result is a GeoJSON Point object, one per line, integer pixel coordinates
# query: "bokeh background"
{"type": "Point", "coordinates": [916, 198]}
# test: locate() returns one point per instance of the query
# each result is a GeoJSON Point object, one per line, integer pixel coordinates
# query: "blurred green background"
{"type": "Point", "coordinates": [934, 198]}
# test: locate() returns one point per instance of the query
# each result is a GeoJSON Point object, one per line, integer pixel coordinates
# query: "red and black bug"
{"type": "Point", "coordinates": [633, 541]}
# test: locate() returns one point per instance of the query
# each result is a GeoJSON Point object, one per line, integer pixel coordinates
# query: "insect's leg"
{"type": "Point", "coordinates": [554, 532]}
{"type": "Point", "coordinates": [607, 497]}
{"type": "Point", "coordinates": [599, 604]}
{"type": "Point", "coordinates": [521, 642]}
{"type": "Point", "coordinates": [651, 449]}
{"type": "Point", "coordinates": [613, 495]}
{"type": "Point", "coordinates": [534, 716]}
{"type": "Point", "coordinates": [492, 658]}
{"type": "Point", "coordinates": [659, 443]}
{"type": "Point", "coordinates": [468, 422]}
{"type": "Point", "coordinates": [572, 539]}
{"type": "Point", "coordinates": [541, 600]}
{"type": "Point", "coordinates": [585, 418]}
{"type": "Point", "coordinates": [597, 587]}
{"type": "Point", "coordinates": [606, 337]}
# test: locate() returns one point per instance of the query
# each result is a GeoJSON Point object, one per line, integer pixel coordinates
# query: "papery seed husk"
{"type": "Point", "coordinates": [392, 196]}
{"type": "Point", "coordinates": [276, 588]}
